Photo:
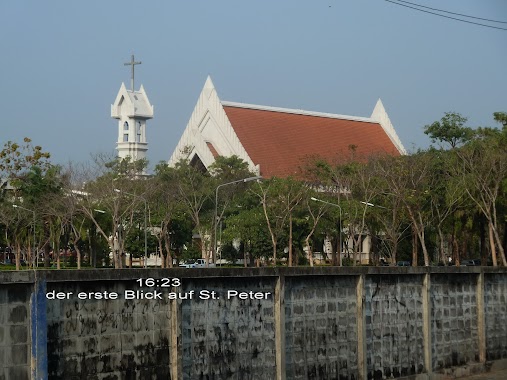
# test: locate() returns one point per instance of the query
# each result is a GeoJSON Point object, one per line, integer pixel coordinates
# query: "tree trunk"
{"type": "Point", "coordinates": [414, 247]}
{"type": "Point", "coordinates": [309, 250]}
{"type": "Point", "coordinates": [418, 226]}
{"type": "Point", "coordinates": [78, 253]}
{"type": "Point", "coordinates": [358, 249]}
{"type": "Point", "coordinates": [354, 248]}
{"type": "Point", "coordinates": [425, 250]}
{"type": "Point", "coordinates": [273, 240]}
{"type": "Point", "coordinates": [57, 250]}
{"type": "Point", "coordinates": [18, 255]}
{"type": "Point", "coordinates": [441, 244]}
{"type": "Point", "coordinates": [482, 234]}
{"type": "Point", "coordinates": [168, 255]}
{"type": "Point", "coordinates": [335, 258]}
{"type": "Point", "coordinates": [162, 253]}
{"type": "Point", "coordinates": [500, 246]}
{"type": "Point", "coordinates": [91, 259]}
{"type": "Point", "coordinates": [290, 240]}
{"type": "Point", "coordinates": [46, 247]}
{"type": "Point", "coordinates": [395, 252]}
{"type": "Point", "coordinates": [204, 248]}
{"type": "Point", "coordinates": [504, 237]}
{"type": "Point", "coordinates": [492, 244]}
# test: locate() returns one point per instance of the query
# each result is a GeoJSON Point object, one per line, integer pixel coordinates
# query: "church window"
{"type": "Point", "coordinates": [125, 137]}
{"type": "Point", "coordinates": [126, 126]}
{"type": "Point", "coordinates": [138, 139]}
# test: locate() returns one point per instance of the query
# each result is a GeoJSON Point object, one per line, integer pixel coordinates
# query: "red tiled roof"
{"type": "Point", "coordinates": [280, 142]}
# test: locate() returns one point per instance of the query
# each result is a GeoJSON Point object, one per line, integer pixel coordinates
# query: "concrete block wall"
{"type": "Point", "coordinates": [316, 323]}
{"type": "Point", "coordinates": [15, 332]}
{"type": "Point", "coordinates": [114, 339]}
{"type": "Point", "coordinates": [454, 320]}
{"type": "Point", "coordinates": [394, 326]}
{"type": "Point", "coordinates": [495, 299]}
{"type": "Point", "coordinates": [321, 328]}
{"type": "Point", "coordinates": [228, 338]}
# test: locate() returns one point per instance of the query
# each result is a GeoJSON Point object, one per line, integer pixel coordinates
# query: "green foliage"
{"type": "Point", "coordinates": [180, 231]}
{"type": "Point", "coordinates": [126, 167]}
{"type": "Point", "coordinates": [249, 226]}
{"type": "Point", "coordinates": [193, 252]}
{"type": "Point", "coordinates": [501, 117]}
{"type": "Point", "coordinates": [229, 253]}
{"type": "Point", "coordinates": [16, 159]}
{"type": "Point", "coordinates": [440, 199]}
{"type": "Point", "coordinates": [450, 129]}
{"type": "Point", "coordinates": [227, 169]}
{"type": "Point", "coordinates": [134, 242]}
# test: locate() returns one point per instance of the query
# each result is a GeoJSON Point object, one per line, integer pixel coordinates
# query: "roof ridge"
{"type": "Point", "coordinates": [298, 112]}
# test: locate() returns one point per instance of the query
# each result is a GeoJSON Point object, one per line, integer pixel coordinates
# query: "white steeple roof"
{"type": "Point", "coordinates": [133, 104]}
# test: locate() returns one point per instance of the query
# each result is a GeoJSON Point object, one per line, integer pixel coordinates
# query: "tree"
{"type": "Point", "coordinates": [271, 196]}
{"type": "Point", "coordinates": [295, 192]}
{"type": "Point", "coordinates": [16, 160]}
{"type": "Point", "coordinates": [248, 225]}
{"type": "Point", "coordinates": [109, 193]}
{"type": "Point", "coordinates": [450, 129]}
{"type": "Point", "coordinates": [16, 224]}
{"type": "Point", "coordinates": [365, 187]}
{"type": "Point", "coordinates": [501, 117]}
{"type": "Point", "coordinates": [389, 212]}
{"type": "Point", "coordinates": [315, 212]}
{"type": "Point", "coordinates": [409, 179]}
{"type": "Point", "coordinates": [482, 170]}
{"type": "Point", "coordinates": [446, 196]}
{"type": "Point", "coordinates": [228, 171]}
{"type": "Point", "coordinates": [195, 191]}
{"type": "Point", "coordinates": [32, 176]}
{"type": "Point", "coordinates": [336, 181]}
{"type": "Point", "coordinates": [165, 206]}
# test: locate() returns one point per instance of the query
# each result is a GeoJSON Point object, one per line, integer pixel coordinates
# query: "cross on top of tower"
{"type": "Point", "coordinates": [132, 63]}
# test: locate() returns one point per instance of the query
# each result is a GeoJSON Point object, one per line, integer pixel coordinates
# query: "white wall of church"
{"type": "Point", "coordinates": [209, 123]}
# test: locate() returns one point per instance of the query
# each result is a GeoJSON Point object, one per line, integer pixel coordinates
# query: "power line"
{"type": "Point", "coordinates": [452, 18]}
{"type": "Point", "coordinates": [452, 13]}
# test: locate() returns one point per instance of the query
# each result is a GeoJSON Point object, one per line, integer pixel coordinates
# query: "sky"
{"type": "Point", "coordinates": [62, 64]}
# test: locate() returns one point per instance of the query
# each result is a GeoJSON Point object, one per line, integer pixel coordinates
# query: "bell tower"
{"type": "Point", "coordinates": [132, 109]}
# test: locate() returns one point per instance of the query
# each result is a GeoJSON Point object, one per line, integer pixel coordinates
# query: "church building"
{"type": "Point", "coordinates": [276, 141]}
{"type": "Point", "coordinates": [132, 109]}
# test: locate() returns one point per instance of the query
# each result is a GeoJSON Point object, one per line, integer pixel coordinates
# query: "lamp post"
{"type": "Point", "coordinates": [34, 246]}
{"type": "Point", "coordinates": [145, 223]}
{"type": "Point", "coordinates": [93, 254]}
{"type": "Point", "coordinates": [216, 219]}
{"type": "Point", "coordinates": [340, 226]}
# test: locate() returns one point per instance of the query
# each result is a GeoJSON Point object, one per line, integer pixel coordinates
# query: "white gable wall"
{"type": "Point", "coordinates": [209, 123]}
{"type": "Point", "coordinates": [379, 115]}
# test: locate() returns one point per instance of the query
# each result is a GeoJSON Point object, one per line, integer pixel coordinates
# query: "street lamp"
{"type": "Point", "coordinates": [340, 232]}
{"type": "Point", "coordinates": [244, 180]}
{"type": "Point", "coordinates": [145, 223]}
{"type": "Point", "coordinates": [372, 205]}
{"type": "Point", "coordinates": [34, 246]}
